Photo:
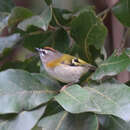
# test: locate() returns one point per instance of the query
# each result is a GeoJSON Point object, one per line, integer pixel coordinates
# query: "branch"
{"type": "Point", "coordinates": [104, 12]}
{"type": "Point", "coordinates": [58, 23]}
{"type": "Point", "coordinates": [123, 41]}
{"type": "Point", "coordinates": [124, 38]}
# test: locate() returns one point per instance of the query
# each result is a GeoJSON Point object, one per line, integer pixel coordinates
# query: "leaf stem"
{"type": "Point", "coordinates": [58, 23]}
{"type": "Point", "coordinates": [125, 34]}
{"type": "Point", "coordinates": [52, 28]}
{"type": "Point", "coordinates": [104, 12]}
{"type": "Point", "coordinates": [123, 41]}
{"type": "Point", "coordinates": [124, 37]}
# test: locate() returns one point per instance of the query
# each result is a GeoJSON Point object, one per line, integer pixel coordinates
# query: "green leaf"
{"type": "Point", "coordinates": [29, 65]}
{"type": "Point", "coordinates": [42, 21]}
{"type": "Point", "coordinates": [58, 39]}
{"type": "Point", "coordinates": [61, 40]}
{"type": "Point", "coordinates": [128, 83]}
{"type": "Point", "coordinates": [18, 14]}
{"type": "Point", "coordinates": [23, 90]}
{"type": "Point", "coordinates": [49, 83]}
{"type": "Point", "coordinates": [34, 39]}
{"type": "Point", "coordinates": [113, 123]}
{"type": "Point", "coordinates": [6, 5]}
{"type": "Point", "coordinates": [37, 6]}
{"type": "Point", "coordinates": [3, 20]}
{"type": "Point", "coordinates": [88, 29]}
{"type": "Point", "coordinates": [52, 108]}
{"type": "Point", "coordinates": [66, 121]}
{"type": "Point", "coordinates": [37, 128]}
{"type": "Point", "coordinates": [112, 66]}
{"type": "Point", "coordinates": [104, 52]}
{"type": "Point", "coordinates": [49, 2]}
{"type": "Point", "coordinates": [9, 41]}
{"type": "Point", "coordinates": [122, 11]}
{"type": "Point", "coordinates": [127, 51]}
{"type": "Point", "coordinates": [96, 35]}
{"type": "Point", "coordinates": [26, 120]}
{"type": "Point", "coordinates": [61, 16]}
{"type": "Point", "coordinates": [3, 15]}
{"type": "Point", "coordinates": [96, 98]}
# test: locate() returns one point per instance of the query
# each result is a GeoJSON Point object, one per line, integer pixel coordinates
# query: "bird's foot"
{"type": "Point", "coordinates": [65, 86]}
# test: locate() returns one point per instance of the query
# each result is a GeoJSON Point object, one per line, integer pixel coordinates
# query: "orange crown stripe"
{"type": "Point", "coordinates": [49, 48]}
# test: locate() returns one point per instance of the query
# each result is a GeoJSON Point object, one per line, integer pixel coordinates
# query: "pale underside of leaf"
{"type": "Point", "coordinates": [94, 99]}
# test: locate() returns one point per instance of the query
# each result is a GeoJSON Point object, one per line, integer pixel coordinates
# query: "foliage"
{"type": "Point", "coordinates": [30, 100]}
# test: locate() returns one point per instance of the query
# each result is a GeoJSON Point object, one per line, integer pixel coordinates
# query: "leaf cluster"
{"type": "Point", "coordinates": [30, 99]}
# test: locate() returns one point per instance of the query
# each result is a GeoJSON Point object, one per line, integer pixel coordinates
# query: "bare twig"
{"type": "Point", "coordinates": [35, 33]}
{"type": "Point", "coordinates": [52, 28]}
{"type": "Point", "coordinates": [124, 38]}
{"type": "Point", "coordinates": [104, 12]}
{"type": "Point", "coordinates": [58, 23]}
{"type": "Point", "coordinates": [123, 42]}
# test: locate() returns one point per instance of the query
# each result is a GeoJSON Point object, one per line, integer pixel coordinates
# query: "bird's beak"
{"type": "Point", "coordinates": [41, 51]}
{"type": "Point", "coordinates": [38, 49]}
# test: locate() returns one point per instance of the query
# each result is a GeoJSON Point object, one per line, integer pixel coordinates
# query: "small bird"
{"type": "Point", "coordinates": [63, 67]}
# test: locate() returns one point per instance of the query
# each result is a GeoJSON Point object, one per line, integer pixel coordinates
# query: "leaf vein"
{"type": "Point", "coordinates": [105, 64]}
{"type": "Point", "coordinates": [108, 98]}
{"type": "Point", "coordinates": [60, 122]}
{"type": "Point", "coordinates": [71, 96]}
{"type": "Point", "coordinates": [116, 122]}
{"type": "Point", "coordinates": [25, 92]}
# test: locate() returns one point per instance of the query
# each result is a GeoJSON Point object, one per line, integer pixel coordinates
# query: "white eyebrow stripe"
{"type": "Point", "coordinates": [41, 54]}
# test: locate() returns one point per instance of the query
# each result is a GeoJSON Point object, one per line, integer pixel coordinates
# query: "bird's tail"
{"type": "Point", "coordinates": [91, 67]}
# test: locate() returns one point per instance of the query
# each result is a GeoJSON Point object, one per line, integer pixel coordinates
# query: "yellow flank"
{"type": "Point", "coordinates": [66, 59]}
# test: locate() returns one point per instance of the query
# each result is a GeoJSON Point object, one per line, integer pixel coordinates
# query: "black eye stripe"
{"type": "Point", "coordinates": [76, 60]}
{"type": "Point", "coordinates": [43, 52]}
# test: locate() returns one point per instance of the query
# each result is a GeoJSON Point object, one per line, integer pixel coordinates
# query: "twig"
{"type": "Point", "coordinates": [35, 33]}
{"type": "Point", "coordinates": [58, 23]}
{"type": "Point", "coordinates": [52, 28]}
{"type": "Point", "coordinates": [56, 20]}
{"type": "Point", "coordinates": [104, 12]}
{"type": "Point", "coordinates": [123, 41]}
{"type": "Point", "coordinates": [125, 34]}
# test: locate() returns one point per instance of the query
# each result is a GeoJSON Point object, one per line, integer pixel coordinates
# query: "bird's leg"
{"type": "Point", "coordinates": [66, 86]}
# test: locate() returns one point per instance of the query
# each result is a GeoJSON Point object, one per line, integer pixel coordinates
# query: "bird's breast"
{"type": "Point", "coordinates": [66, 73]}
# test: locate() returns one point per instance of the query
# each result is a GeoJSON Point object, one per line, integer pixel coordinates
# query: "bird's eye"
{"type": "Point", "coordinates": [44, 52]}
{"type": "Point", "coordinates": [76, 60]}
